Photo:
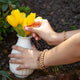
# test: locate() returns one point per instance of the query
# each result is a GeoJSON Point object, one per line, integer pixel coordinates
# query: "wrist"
{"type": "Point", "coordinates": [40, 60]}
{"type": "Point", "coordinates": [58, 38]}
{"type": "Point", "coordinates": [46, 61]}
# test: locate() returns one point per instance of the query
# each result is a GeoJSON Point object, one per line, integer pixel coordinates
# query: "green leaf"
{"type": "Point", "coordinates": [59, 30]}
{"type": "Point", "coordinates": [6, 25]}
{"type": "Point", "coordinates": [4, 7]}
{"type": "Point", "coordinates": [60, 66]}
{"type": "Point", "coordinates": [4, 78]}
{"type": "Point", "coordinates": [57, 69]}
{"type": "Point", "coordinates": [19, 30]}
{"type": "Point", "coordinates": [13, 6]}
{"type": "Point", "coordinates": [3, 30]}
{"type": "Point", "coordinates": [66, 23]}
{"type": "Point", "coordinates": [1, 38]}
{"type": "Point", "coordinates": [19, 0]}
{"type": "Point", "coordinates": [27, 9]}
{"type": "Point", "coordinates": [10, 79]}
{"type": "Point", "coordinates": [9, 1]}
{"type": "Point", "coordinates": [12, 29]}
{"type": "Point", "coordinates": [17, 4]}
{"type": "Point", "coordinates": [4, 73]}
{"type": "Point", "coordinates": [53, 69]}
{"type": "Point", "coordinates": [73, 27]}
{"type": "Point", "coordinates": [3, 1]}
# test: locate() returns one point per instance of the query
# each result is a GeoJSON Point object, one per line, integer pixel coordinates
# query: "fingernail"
{"type": "Point", "coordinates": [33, 35]}
{"type": "Point", "coordinates": [36, 38]}
{"type": "Point", "coordinates": [9, 60]}
{"type": "Point", "coordinates": [26, 28]}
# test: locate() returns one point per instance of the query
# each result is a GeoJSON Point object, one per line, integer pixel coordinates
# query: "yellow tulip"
{"type": "Point", "coordinates": [24, 23]}
{"type": "Point", "coordinates": [29, 20]}
{"type": "Point", "coordinates": [23, 15]}
{"type": "Point", "coordinates": [18, 17]}
{"type": "Point", "coordinates": [16, 13]}
{"type": "Point", "coordinates": [11, 20]}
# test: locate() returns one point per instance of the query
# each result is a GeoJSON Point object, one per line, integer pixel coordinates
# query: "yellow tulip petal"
{"type": "Point", "coordinates": [23, 15]}
{"type": "Point", "coordinates": [11, 20]}
{"type": "Point", "coordinates": [30, 18]}
{"type": "Point", "coordinates": [24, 22]}
{"type": "Point", "coordinates": [23, 19]}
{"type": "Point", "coordinates": [16, 13]}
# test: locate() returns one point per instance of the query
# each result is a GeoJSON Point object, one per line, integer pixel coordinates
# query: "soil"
{"type": "Point", "coordinates": [62, 15]}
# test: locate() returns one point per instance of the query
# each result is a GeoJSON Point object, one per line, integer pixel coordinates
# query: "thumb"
{"type": "Point", "coordinates": [31, 29]}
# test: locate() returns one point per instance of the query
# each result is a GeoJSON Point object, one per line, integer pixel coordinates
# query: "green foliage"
{"type": "Point", "coordinates": [5, 75]}
{"type": "Point", "coordinates": [66, 23]}
{"type": "Point", "coordinates": [19, 30]}
{"type": "Point", "coordinates": [73, 27]}
{"type": "Point", "coordinates": [60, 31]}
{"type": "Point", "coordinates": [5, 8]}
{"type": "Point", "coordinates": [56, 68]}
{"type": "Point", "coordinates": [25, 9]}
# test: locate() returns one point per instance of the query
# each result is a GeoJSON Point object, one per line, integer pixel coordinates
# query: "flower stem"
{"type": "Point", "coordinates": [20, 31]}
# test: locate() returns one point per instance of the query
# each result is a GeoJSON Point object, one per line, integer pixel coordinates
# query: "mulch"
{"type": "Point", "coordinates": [62, 15]}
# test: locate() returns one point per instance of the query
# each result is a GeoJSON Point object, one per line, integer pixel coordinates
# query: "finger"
{"type": "Point", "coordinates": [44, 22]}
{"type": "Point", "coordinates": [15, 55]}
{"type": "Point", "coordinates": [36, 24]}
{"type": "Point", "coordinates": [31, 29]}
{"type": "Point", "coordinates": [22, 67]}
{"type": "Point", "coordinates": [37, 38]}
{"type": "Point", "coordinates": [33, 47]}
{"type": "Point", "coordinates": [16, 61]}
{"type": "Point", "coordinates": [18, 48]}
{"type": "Point", "coordinates": [41, 21]}
{"type": "Point", "coordinates": [34, 35]}
{"type": "Point", "coordinates": [38, 21]}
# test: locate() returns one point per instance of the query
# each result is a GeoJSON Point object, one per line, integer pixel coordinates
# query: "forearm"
{"type": "Point", "coordinates": [71, 33]}
{"type": "Point", "coordinates": [60, 36]}
{"type": "Point", "coordinates": [65, 53]}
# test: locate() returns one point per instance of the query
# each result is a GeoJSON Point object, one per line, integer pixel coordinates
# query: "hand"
{"type": "Point", "coordinates": [27, 58]}
{"type": "Point", "coordinates": [44, 31]}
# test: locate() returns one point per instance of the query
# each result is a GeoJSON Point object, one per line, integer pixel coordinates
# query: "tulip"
{"type": "Point", "coordinates": [18, 20]}
{"type": "Point", "coordinates": [11, 20]}
{"type": "Point", "coordinates": [29, 20]}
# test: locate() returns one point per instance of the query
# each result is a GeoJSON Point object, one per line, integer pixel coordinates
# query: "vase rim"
{"type": "Point", "coordinates": [24, 37]}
